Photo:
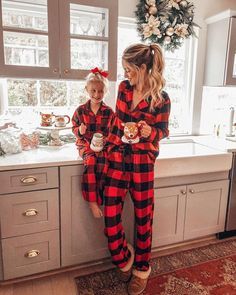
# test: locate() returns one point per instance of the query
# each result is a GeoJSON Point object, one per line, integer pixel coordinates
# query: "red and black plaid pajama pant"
{"type": "Point", "coordinates": [133, 172]}
{"type": "Point", "coordinates": [95, 169]}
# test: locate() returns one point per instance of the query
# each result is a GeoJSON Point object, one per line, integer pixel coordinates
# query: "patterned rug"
{"type": "Point", "coordinates": [201, 271]}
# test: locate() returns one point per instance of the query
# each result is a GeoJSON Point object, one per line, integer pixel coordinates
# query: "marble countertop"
{"type": "Point", "coordinates": [178, 156]}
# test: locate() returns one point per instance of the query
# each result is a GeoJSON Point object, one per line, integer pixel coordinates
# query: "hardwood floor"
{"type": "Point", "coordinates": [59, 284]}
{"type": "Point", "coordinates": [63, 283]}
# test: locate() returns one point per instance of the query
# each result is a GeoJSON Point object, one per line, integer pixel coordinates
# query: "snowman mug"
{"type": "Point", "coordinates": [61, 120]}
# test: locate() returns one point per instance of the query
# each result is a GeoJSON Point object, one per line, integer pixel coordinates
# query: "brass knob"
{"type": "Point", "coordinates": [191, 191]}
{"type": "Point", "coordinates": [30, 212]}
{"type": "Point", "coordinates": [28, 179]}
{"type": "Point", "coordinates": [66, 71]}
{"type": "Point", "coordinates": [183, 192]}
{"type": "Point", "coordinates": [55, 70]}
{"type": "Point", "coordinates": [32, 253]}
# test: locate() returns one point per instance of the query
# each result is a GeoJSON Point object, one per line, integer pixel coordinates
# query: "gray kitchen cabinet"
{"type": "Point", "coordinates": [30, 254]}
{"type": "Point", "coordinates": [220, 62]}
{"type": "Point", "coordinates": [59, 39]}
{"type": "Point", "coordinates": [29, 222]}
{"type": "Point", "coordinates": [205, 209]}
{"type": "Point", "coordinates": [82, 235]}
{"type": "Point", "coordinates": [45, 224]}
{"type": "Point", "coordinates": [169, 210]}
{"type": "Point", "coordinates": [188, 212]}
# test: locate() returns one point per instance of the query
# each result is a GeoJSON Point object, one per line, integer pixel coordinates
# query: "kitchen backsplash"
{"type": "Point", "coordinates": [215, 113]}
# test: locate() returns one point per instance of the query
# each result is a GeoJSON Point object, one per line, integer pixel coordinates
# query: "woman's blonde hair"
{"type": "Point", "coordinates": [152, 56]}
{"type": "Point", "coordinates": [97, 77]}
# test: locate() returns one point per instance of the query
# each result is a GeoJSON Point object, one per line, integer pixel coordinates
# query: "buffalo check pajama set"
{"type": "Point", "coordinates": [95, 164]}
{"type": "Point", "coordinates": [131, 168]}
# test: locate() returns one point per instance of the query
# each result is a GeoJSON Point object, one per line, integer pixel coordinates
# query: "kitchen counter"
{"type": "Point", "coordinates": [178, 156]}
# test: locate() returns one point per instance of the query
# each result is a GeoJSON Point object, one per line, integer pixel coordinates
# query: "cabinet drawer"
{"type": "Point", "coordinates": [29, 212]}
{"type": "Point", "coordinates": [28, 180]}
{"type": "Point", "coordinates": [30, 254]}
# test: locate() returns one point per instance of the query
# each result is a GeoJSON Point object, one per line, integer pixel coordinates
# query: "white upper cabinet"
{"type": "Point", "coordinates": [57, 38]}
{"type": "Point", "coordinates": [220, 65]}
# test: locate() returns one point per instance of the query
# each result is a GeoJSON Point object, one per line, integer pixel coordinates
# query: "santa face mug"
{"type": "Point", "coordinates": [97, 142]}
{"type": "Point", "coordinates": [61, 120]}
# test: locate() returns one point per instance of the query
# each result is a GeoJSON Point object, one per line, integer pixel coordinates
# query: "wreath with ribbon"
{"type": "Point", "coordinates": [166, 22]}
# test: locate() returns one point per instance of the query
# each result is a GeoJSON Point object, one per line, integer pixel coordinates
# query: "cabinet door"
{"type": "Point", "coordinates": [230, 69]}
{"type": "Point", "coordinates": [29, 39]}
{"type": "Point", "coordinates": [88, 35]}
{"type": "Point", "coordinates": [82, 235]}
{"type": "Point", "coordinates": [168, 215]}
{"type": "Point", "coordinates": [205, 208]}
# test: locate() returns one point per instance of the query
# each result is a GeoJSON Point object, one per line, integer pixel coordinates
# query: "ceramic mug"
{"type": "Point", "coordinates": [97, 142]}
{"type": "Point", "coordinates": [46, 119]}
{"type": "Point", "coordinates": [131, 132]}
{"type": "Point", "coordinates": [61, 120]}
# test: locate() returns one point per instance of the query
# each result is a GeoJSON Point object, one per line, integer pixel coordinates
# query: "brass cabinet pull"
{"type": "Point", "coordinates": [32, 253]}
{"type": "Point", "coordinates": [183, 192]}
{"type": "Point", "coordinates": [28, 179]}
{"type": "Point", "coordinates": [191, 191]}
{"type": "Point", "coordinates": [30, 212]}
{"type": "Point", "coordinates": [55, 70]}
{"type": "Point", "coordinates": [66, 71]}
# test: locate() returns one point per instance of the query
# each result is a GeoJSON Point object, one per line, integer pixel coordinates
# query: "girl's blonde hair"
{"type": "Point", "coordinates": [152, 56]}
{"type": "Point", "coordinates": [97, 77]}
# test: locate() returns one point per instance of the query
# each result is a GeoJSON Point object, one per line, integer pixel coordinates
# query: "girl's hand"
{"type": "Point", "coordinates": [146, 130]}
{"type": "Point", "coordinates": [82, 129]}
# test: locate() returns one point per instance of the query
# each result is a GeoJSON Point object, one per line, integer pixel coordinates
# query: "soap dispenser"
{"type": "Point", "coordinates": [230, 122]}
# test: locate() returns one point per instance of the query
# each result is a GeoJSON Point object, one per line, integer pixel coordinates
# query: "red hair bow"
{"type": "Point", "coordinates": [97, 70]}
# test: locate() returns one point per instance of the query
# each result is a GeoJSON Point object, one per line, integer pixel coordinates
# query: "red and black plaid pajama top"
{"type": "Point", "coordinates": [95, 164]}
{"type": "Point", "coordinates": [131, 168]}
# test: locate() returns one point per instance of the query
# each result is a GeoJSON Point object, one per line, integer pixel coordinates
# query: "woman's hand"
{"type": "Point", "coordinates": [82, 129]}
{"type": "Point", "coordinates": [146, 130]}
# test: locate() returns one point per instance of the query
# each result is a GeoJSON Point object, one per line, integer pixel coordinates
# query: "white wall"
{"type": "Point", "coordinates": [203, 9]}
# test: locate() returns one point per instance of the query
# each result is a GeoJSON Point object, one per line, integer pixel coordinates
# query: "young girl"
{"type": "Point", "coordinates": [93, 117]}
{"type": "Point", "coordinates": [131, 164]}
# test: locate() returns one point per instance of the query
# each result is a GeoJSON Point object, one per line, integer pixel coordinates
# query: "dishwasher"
{"type": "Point", "coordinates": [230, 223]}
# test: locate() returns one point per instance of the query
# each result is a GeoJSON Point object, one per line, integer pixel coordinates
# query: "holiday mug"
{"type": "Point", "coordinates": [46, 119]}
{"type": "Point", "coordinates": [131, 132]}
{"type": "Point", "coordinates": [61, 120]}
{"type": "Point", "coordinates": [97, 142]}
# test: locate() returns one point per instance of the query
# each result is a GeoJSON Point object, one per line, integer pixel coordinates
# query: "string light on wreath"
{"type": "Point", "coordinates": [166, 22]}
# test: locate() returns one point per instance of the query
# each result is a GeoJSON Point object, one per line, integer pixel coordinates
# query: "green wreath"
{"type": "Point", "coordinates": [166, 22]}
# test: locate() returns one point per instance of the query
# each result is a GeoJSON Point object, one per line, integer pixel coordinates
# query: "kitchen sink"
{"type": "Point", "coordinates": [188, 157]}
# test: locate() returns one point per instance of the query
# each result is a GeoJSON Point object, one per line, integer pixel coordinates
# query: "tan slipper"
{"type": "Point", "coordinates": [138, 282]}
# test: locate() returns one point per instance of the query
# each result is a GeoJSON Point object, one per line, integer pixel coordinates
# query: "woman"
{"type": "Point", "coordinates": [131, 166]}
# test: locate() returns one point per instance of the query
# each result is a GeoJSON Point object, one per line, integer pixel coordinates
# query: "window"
{"type": "Point", "coordinates": [176, 74]}
{"type": "Point", "coordinates": [26, 98]}
{"type": "Point", "coordinates": [64, 96]}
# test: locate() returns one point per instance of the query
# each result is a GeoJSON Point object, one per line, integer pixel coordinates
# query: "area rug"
{"type": "Point", "coordinates": [201, 271]}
